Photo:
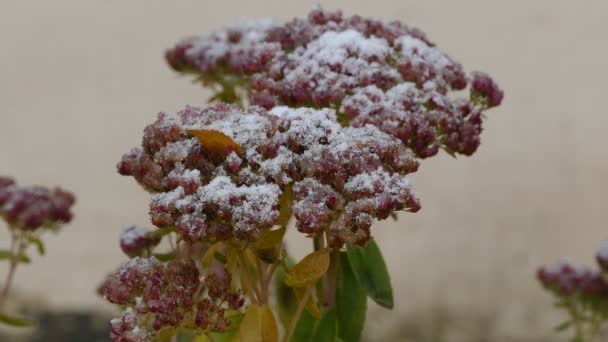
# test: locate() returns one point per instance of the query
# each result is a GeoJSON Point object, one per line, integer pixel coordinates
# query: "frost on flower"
{"type": "Point", "coordinates": [370, 71]}
{"type": "Point", "coordinates": [162, 295]}
{"type": "Point", "coordinates": [209, 198]}
{"type": "Point", "coordinates": [32, 207]}
{"type": "Point", "coordinates": [135, 240]}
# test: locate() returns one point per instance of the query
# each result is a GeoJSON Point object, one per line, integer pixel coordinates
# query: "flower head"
{"type": "Point", "coordinates": [362, 170]}
{"type": "Point", "coordinates": [30, 208]}
{"type": "Point", "coordinates": [168, 293]}
{"type": "Point", "coordinates": [372, 72]}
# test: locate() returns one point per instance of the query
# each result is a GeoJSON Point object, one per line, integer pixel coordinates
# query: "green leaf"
{"type": "Point", "coordinates": [5, 254]}
{"type": "Point", "coordinates": [14, 321]}
{"type": "Point", "coordinates": [251, 326]}
{"type": "Point", "coordinates": [327, 329]}
{"type": "Point", "coordinates": [351, 302]}
{"type": "Point", "coordinates": [164, 256]}
{"type": "Point", "coordinates": [371, 272]}
{"type": "Point", "coordinates": [563, 326]}
{"type": "Point", "coordinates": [304, 329]}
{"type": "Point", "coordinates": [39, 245]}
{"type": "Point", "coordinates": [286, 299]}
{"type": "Point", "coordinates": [24, 259]}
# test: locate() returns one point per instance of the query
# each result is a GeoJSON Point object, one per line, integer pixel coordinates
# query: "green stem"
{"type": "Point", "coordinates": [296, 316]}
{"type": "Point", "coordinates": [319, 244]}
{"type": "Point", "coordinates": [331, 279]}
{"type": "Point", "coordinates": [16, 250]}
{"type": "Point", "coordinates": [578, 327]}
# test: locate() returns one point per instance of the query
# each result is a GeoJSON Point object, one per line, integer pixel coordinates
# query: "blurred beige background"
{"type": "Point", "coordinates": [79, 80]}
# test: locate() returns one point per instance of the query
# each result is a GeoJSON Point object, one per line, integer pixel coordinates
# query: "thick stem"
{"type": "Point", "coordinates": [297, 315]}
{"type": "Point", "coordinates": [319, 244]}
{"type": "Point", "coordinates": [331, 279]}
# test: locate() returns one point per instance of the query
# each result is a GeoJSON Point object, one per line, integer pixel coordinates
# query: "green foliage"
{"type": "Point", "coordinates": [351, 302]}
{"type": "Point", "coordinates": [15, 321]}
{"type": "Point", "coordinates": [370, 269]}
{"type": "Point", "coordinates": [327, 328]}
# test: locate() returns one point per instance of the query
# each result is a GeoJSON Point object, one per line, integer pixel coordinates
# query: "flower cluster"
{"type": "Point", "coordinates": [581, 291]}
{"type": "Point", "coordinates": [159, 295]}
{"type": "Point", "coordinates": [136, 240]}
{"type": "Point", "coordinates": [321, 119]}
{"type": "Point", "coordinates": [343, 177]}
{"type": "Point", "coordinates": [370, 71]}
{"type": "Point", "coordinates": [30, 208]}
{"type": "Point", "coordinates": [568, 279]}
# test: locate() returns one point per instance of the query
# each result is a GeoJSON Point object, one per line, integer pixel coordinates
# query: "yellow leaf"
{"type": "Point", "coordinates": [251, 326]}
{"type": "Point", "coordinates": [306, 272]}
{"type": "Point", "coordinates": [165, 334]}
{"type": "Point", "coordinates": [217, 144]}
{"type": "Point", "coordinates": [270, 330]}
{"type": "Point", "coordinates": [311, 305]}
{"type": "Point", "coordinates": [267, 247]}
{"type": "Point", "coordinates": [259, 325]}
{"type": "Point", "coordinates": [270, 238]}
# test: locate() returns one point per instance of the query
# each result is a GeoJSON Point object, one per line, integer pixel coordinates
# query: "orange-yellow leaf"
{"type": "Point", "coordinates": [217, 144]}
{"type": "Point", "coordinates": [268, 245]}
{"type": "Point", "coordinates": [259, 325]}
{"type": "Point", "coordinates": [306, 272]}
{"type": "Point", "coordinates": [251, 326]}
{"type": "Point", "coordinates": [270, 330]}
{"type": "Point", "coordinates": [270, 238]}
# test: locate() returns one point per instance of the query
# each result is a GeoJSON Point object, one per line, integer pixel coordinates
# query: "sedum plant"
{"type": "Point", "coordinates": [29, 212]}
{"type": "Point", "coordinates": [582, 292]}
{"type": "Point", "coordinates": [316, 125]}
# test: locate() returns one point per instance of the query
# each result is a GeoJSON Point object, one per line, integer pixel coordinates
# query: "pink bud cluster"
{"type": "Point", "coordinates": [30, 208]}
{"type": "Point", "coordinates": [160, 295]}
{"type": "Point", "coordinates": [136, 240]}
{"type": "Point", "coordinates": [568, 279]}
{"type": "Point", "coordinates": [370, 71]}
{"type": "Point", "coordinates": [343, 177]}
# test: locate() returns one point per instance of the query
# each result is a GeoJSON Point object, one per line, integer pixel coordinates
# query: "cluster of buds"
{"type": "Point", "coordinates": [370, 71]}
{"type": "Point", "coordinates": [568, 279]}
{"type": "Point", "coordinates": [582, 291]}
{"type": "Point", "coordinates": [30, 208]}
{"type": "Point", "coordinates": [343, 177]}
{"type": "Point", "coordinates": [137, 241]}
{"type": "Point", "coordinates": [160, 295]}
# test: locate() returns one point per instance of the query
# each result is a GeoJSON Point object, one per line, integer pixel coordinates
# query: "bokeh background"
{"type": "Point", "coordinates": [79, 80]}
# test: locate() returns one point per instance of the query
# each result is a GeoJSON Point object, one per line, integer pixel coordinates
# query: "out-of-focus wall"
{"type": "Point", "coordinates": [79, 79]}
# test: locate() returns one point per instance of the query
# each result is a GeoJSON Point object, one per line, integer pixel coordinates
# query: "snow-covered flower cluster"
{"type": "Point", "coordinates": [369, 71]}
{"type": "Point", "coordinates": [320, 119]}
{"type": "Point", "coordinates": [569, 279]}
{"type": "Point", "coordinates": [29, 211]}
{"type": "Point", "coordinates": [31, 207]}
{"type": "Point", "coordinates": [160, 295]}
{"type": "Point", "coordinates": [343, 178]}
{"type": "Point", "coordinates": [136, 240]}
{"type": "Point", "coordinates": [582, 291]}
